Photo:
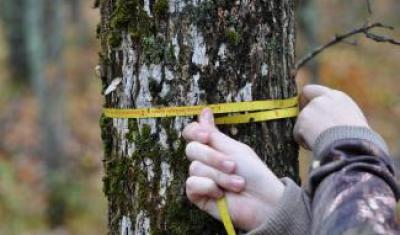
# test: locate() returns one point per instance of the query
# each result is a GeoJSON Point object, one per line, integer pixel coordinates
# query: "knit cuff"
{"type": "Point", "coordinates": [291, 217]}
{"type": "Point", "coordinates": [329, 136]}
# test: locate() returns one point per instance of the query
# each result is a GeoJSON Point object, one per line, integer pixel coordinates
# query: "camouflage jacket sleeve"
{"type": "Point", "coordinates": [351, 189]}
{"type": "Point", "coordinates": [352, 185]}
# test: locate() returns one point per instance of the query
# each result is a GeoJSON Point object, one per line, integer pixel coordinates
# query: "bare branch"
{"type": "Point", "coordinates": [341, 37]}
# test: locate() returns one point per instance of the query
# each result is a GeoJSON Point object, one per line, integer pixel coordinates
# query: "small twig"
{"type": "Point", "coordinates": [341, 37]}
{"type": "Point", "coordinates": [381, 38]}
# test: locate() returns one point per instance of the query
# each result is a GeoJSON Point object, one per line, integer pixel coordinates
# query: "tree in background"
{"type": "Point", "coordinates": [183, 53]}
{"type": "Point", "coordinates": [15, 25]}
{"type": "Point", "coordinates": [52, 109]}
{"type": "Point", "coordinates": [78, 20]}
{"type": "Point", "coordinates": [308, 26]}
{"type": "Point", "coordinates": [76, 11]}
{"type": "Point", "coordinates": [36, 38]}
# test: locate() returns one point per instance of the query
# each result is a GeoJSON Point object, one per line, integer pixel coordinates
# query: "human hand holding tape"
{"type": "Point", "coordinates": [225, 169]}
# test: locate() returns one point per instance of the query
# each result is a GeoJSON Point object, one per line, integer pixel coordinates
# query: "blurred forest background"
{"type": "Point", "coordinates": [50, 101]}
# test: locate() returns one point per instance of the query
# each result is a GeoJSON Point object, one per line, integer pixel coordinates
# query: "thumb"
{"type": "Point", "coordinates": [206, 119]}
{"type": "Point", "coordinates": [311, 92]}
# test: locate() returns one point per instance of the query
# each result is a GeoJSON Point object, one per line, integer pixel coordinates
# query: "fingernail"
{"type": "Point", "coordinates": [228, 166]}
{"type": "Point", "coordinates": [237, 182]}
{"type": "Point", "coordinates": [207, 114]}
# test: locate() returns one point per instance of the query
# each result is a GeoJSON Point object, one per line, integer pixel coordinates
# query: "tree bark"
{"type": "Point", "coordinates": [176, 53]}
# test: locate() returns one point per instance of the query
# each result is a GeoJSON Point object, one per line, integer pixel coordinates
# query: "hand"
{"type": "Point", "coordinates": [325, 108]}
{"type": "Point", "coordinates": [223, 166]}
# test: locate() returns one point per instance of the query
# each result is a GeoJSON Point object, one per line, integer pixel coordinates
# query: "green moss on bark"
{"type": "Point", "coordinates": [233, 37]}
{"type": "Point", "coordinates": [114, 182]}
{"type": "Point", "coordinates": [171, 54]}
{"type": "Point", "coordinates": [129, 16]}
{"type": "Point", "coordinates": [106, 135]}
{"type": "Point", "coordinates": [204, 15]}
{"type": "Point", "coordinates": [133, 130]}
{"type": "Point", "coordinates": [153, 48]}
{"type": "Point", "coordinates": [161, 8]}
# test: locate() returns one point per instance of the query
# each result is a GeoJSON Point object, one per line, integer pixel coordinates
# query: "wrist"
{"type": "Point", "coordinates": [290, 216]}
{"type": "Point", "coordinates": [333, 134]}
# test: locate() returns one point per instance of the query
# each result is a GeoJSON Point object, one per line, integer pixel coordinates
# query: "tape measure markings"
{"type": "Point", "coordinates": [258, 116]}
{"type": "Point", "coordinates": [221, 108]}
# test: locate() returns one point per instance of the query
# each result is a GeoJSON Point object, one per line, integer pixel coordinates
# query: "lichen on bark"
{"type": "Point", "coordinates": [187, 52]}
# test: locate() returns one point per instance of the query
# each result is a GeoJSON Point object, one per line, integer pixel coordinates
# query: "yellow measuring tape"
{"type": "Point", "coordinates": [262, 110]}
{"type": "Point", "coordinates": [240, 112]}
{"type": "Point", "coordinates": [222, 205]}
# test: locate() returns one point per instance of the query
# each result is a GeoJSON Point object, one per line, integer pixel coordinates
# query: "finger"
{"type": "Point", "coordinates": [202, 192]}
{"type": "Point", "coordinates": [299, 131]}
{"type": "Point", "coordinates": [206, 119]}
{"type": "Point", "coordinates": [222, 142]}
{"type": "Point", "coordinates": [200, 187]}
{"type": "Point", "coordinates": [194, 132]}
{"type": "Point", "coordinates": [312, 91]}
{"type": "Point", "coordinates": [196, 151]}
{"type": "Point", "coordinates": [232, 183]}
{"type": "Point", "coordinates": [298, 134]}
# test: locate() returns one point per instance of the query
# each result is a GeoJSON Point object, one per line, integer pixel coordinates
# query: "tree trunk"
{"type": "Point", "coordinates": [15, 24]}
{"type": "Point", "coordinates": [45, 46]}
{"type": "Point", "coordinates": [76, 11]}
{"type": "Point", "coordinates": [176, 53]}
{"type": "Point", "coordinates": [79, 22]}
{"type": "Point", "coordinates": [308, 12]}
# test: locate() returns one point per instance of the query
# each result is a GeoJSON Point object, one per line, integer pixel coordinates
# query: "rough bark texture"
{"type": "Point", "coordinates": [182, 52]}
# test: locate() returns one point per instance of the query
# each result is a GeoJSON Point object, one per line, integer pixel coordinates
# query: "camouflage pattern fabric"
{"type": "Point", "coordinates": [353, 190]}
